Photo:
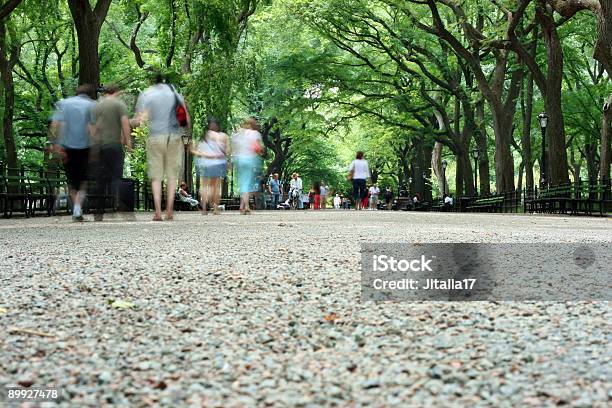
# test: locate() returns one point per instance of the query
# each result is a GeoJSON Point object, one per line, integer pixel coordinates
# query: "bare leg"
{"type": "Point", "coordinates": [207, 194]}
{"type": "Point", "coordinates": [170, 199]}
{"type": "Point", "coordinates": [203, 197]}
{"type": "Point", "coordinates": [156, 187]}
{"type": "Point", "coordinates": [214, 192]}
{"type": "Point", "coordinates": [219, 189]}
{"type": "Point", "coordinates": [245, 202]}
{"type": "Point", "coordinates": [73, 196]}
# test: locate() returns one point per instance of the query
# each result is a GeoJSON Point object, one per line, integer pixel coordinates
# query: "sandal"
{"type": "Point", "coordinates": [156, 218]}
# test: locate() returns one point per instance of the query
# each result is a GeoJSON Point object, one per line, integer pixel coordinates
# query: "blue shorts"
{"type": "Point", "coordinates": [214, 171]}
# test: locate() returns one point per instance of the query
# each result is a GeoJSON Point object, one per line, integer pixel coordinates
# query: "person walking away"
{"type": "Point", "coordinates": [359, 172]}
{"type": "Point", "coordinates": [110, 132]}
{"type": "Point", "coordinates": [374, 192]}
{"type": "Point", "coordinates": [212, 165]}
{"type": "Point", "coordinates": [337, 202]}
{"type": "Point", "coordinates": [389, 198]}
{"type": "Point", "coordinates": [276, 190]}
{"type": "Point", "coordinates": [324, 193]}
{"type": "Point", "coordinates": [161, 107]}
{"type": "Point", "coordinates": [247, 146]}
{"type": "Point", "coordinates": [71, 127]}
{"type": "Point", "coordinates": [316, 195]}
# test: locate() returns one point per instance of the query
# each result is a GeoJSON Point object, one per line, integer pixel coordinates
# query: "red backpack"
{"type": "Point", "coordinates": [181, 110]}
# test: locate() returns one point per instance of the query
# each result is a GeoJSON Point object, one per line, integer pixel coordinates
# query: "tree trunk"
{"type": "Point", "coordinates": [9, 55]}
{"type": "Point", "coordinates": [603, 47]}
{"type": "Point", "coordinates": [480, 137]}
{"type": "Point", "coordinates": [88, 23]}
{"type": "Point", "coordinates": [436, 165]}
{"type": "Point", "coordinates": [504, 162]}
{"type": "Point", "coordinates": [591, 159]}
{"type": "Point", "coordinates": [527, 108]}
{"type": "Point", "coordinates": [604, 156]}
{"type": "Point", "coordinates": [575, 165]}
{"type": "Point", "coordinates": [557, 171]}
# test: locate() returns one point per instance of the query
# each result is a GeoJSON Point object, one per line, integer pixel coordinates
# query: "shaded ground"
{"type": "Point", "coordinates": [264, 310]}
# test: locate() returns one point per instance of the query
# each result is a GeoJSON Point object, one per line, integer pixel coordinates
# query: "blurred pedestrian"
{"type": "Point", "coordinates": [324, 194]}
{"type": "Point", "coordinates": [111, 132]}
{"type": "Point", "coordinates": [337, 202]}
{"type": "Point", "coordinates": [359, 172]}
{"type": "Point", "coordinates": [388, 197]}
{"type": "Point", "coordinates": [247, 147]}
{"type": "Point", "coordinates": [165, 112]}
{"type": "Point", "coordinates": [212, 164]}
{"type": "Point", "coordinates": [374, 192]}
{"type": "Point", "coordinates": [316, 195]}
{"type": "Point", "coordinates": [71, 126]}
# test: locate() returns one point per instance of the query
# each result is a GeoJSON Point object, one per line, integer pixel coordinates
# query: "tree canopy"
{"type": "Point", "coordinates": [413, 83]}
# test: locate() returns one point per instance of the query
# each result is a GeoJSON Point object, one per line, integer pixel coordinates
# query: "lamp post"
{"type": "Point", "coordinates": [185, 138]}
{"type": "Point", "coordinates": [444, 165]}
{"type": "Point", "coordinates": [543, 119]}
{"type": "Point", "coordinates": [476, 155]}
{"type": "Point", "coordinates": [410, 187]}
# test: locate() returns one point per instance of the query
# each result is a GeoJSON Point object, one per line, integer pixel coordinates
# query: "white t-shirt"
{"type": "Point", "coordinates": [374, 190]}
{"type": "Point", "coordinates": [323, 190]}
{"type": "Point", "coordinates": [244, 142]}
{"type": "Point", "coordinates": [448, 200]}
{"type": "Point", "coordinates": [296, 184]}
{"type": "Point", "coordinates": [337, 200]}
{"type": "Point", "coordinates": [360, 169]}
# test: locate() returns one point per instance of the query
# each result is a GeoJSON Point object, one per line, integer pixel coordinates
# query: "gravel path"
{"type": "Point", "coordinates": [236, 311]}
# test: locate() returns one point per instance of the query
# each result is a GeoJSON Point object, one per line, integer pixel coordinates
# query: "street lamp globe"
{"type": "Point", "coordinates": [476, 153]}
{"type": "Point", "coordinates": [543, 119]}
{"type": "Point", "coordinates": [185, 138]}
{"type": "Point", "coordinates": [444, 164]}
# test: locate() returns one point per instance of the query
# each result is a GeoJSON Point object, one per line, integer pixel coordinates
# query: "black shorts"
{"type": "Point", "coordinates": [76, 165]}
{"type": "Point", "coordinates": [359, 189]}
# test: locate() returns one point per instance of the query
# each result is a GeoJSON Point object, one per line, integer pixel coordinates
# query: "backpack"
{"type": "Point", "coordinates": [181, 110]}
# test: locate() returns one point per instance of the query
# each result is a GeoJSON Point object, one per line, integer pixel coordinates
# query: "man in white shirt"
{"type": "Point", "coordinates": [296, 184]}
{"type": "Point", "coordinates": [337, 201]}
{"type": "Point", "coordinates": [374, 191]}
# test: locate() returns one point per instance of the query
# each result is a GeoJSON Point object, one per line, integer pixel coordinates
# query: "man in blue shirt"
{"type": "Point", "coordinates": [71, 126]}
{"type": "Point", "coordinates": [276, 189]}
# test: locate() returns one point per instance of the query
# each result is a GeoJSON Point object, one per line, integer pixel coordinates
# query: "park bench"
{"type": "Point", "coordinates": [590, 196]}
{"type": "Point", "coordinates": [15, 189]}
{"type": "Point", "coordinates": [33, 190]}
{"type": "Point", "coordinates": [576, 197]}
{"type": "Point", "coordinates": [492, 203]}
{"type": "Point", "coordinates": [41, 196]}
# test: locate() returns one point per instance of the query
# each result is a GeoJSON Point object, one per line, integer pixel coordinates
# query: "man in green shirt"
{"type": "Point", "coordinates": [111, 132]}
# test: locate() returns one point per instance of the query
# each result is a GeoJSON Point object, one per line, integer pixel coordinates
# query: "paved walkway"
{"type": "Point", "coordinates": [264, 310]}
